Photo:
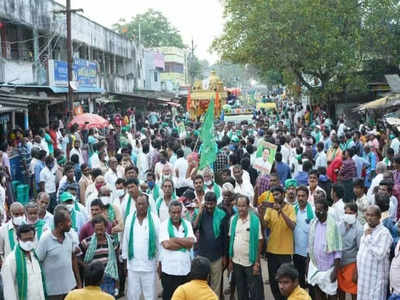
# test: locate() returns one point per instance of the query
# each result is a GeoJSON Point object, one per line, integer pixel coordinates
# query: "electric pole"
{"type": "Point", "coordinates": [68, 12]}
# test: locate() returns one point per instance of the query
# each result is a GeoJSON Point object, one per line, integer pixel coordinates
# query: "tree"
{"type": "Point", "coordinates": [322, 44]}
{"type": "Point", "coordinates": [155, 30]}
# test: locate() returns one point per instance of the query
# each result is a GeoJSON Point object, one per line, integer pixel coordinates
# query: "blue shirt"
{"type": "Point", "coordinates": [283, 171]}
{"type": "Point", "coordinates": [38, 168]}
{"type": "Point", "coordinates": [301, 233]}
{"type": "Point", "coordinates": [360, 163]}
{"type": "Point", "coordinates": [301, 178]}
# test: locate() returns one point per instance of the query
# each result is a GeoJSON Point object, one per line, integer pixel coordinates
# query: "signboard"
{"type": "Point", "coordinates": [84, 72]}
{"type": "Point", "coordinates": [265, 157]}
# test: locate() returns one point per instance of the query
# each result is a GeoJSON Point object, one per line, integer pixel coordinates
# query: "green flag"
{"type": "Point", "coordinates": [208, 146]}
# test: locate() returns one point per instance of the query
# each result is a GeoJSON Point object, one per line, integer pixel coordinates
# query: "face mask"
{"type": "Point", "coordinates": [27, 246]}
{"type": "Point", "coordinates": [349, 219]}
{"type": "Point", "coordinates": [120, 192]}
{"type": "Point", "coordinates": [18, 221]}
{"type": "Point", "coordinates": [70, 207]}
{"type": "Point", "coordinates": [208, 182]}
{"type": "Point", "coordinates": [105, 200]}
{"type": "Point", "coordinates": [98, 186]}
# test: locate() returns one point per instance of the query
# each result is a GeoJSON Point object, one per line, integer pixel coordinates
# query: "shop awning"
{"type": "Point", "coordinates": [87, 90]}
{"type": "Point", "coordinates": [381, 103]}
{"type": "Point", "coordinates": [107, 100]}
{"type": "Point", "coordinates": [12, 102]}
{"type": "Point", "coordinates": [173, 104]}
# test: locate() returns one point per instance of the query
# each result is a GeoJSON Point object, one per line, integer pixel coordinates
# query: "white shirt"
{"type": "Point", "coordinates": [140, 262]}
{"type": "Point", "coordinates": [34, 283]}
{"type": "Point", "coordinates": [374, 183]}
{"type": "Point", "coordinates": [94, 161]}
{"type": "Point", "coordinates": [285, 154]}
{"type": "Point", "coordinates": [395, 145]}
{"type": "Point", "coordinates": [245, 189]}
{"type": "Point", "coordinates": [321, 160]}
{"type": "Point", "coordinates": [5, 247]}
{"type": "Point", "coordinates": [111, 177]}
{"type": "Point", "coordinates": [2, 199]}
{"type": "Point", "coordinates": [163, 212]}
{"type": "Point", "coordinates": [49, 178]}
{"type": "Point", "coordinates": [77, 152]}
{"type": "Point", "coordinates": [337, 211]}
{"type": "Point", "coordinates": [181, 165]}
{"type": "Point", "coordinates": [142, 165]}
{"type": "Point", "coordinates": [49, 219]}
{"type": "Point", "coordinates": [341, 129]}
{"type": "Point", "coordinates": [175, 262]}
{"type": "Point", "coordinates": [44, 146]}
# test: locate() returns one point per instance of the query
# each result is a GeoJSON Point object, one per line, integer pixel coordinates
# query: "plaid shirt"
{"type": "Point", "coordinates": [221, 162]}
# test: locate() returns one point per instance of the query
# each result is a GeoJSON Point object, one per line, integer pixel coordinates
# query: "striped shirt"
{"type": "Point", "coordinates": [101, 253]}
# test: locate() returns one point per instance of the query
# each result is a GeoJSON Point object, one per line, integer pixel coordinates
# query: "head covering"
{"type": "Point", "coordinates": [66, 196]}
{"type": "Point", "coordinates": [235, 139]}
{"type": "Point", "coordinates": [228, 187]}
{"type": "Point", "coordinates": [196, 132]}
{"type": "Point", "coordinates": [290, 183]}
{"type": "Point", "coordinates": [164, 124]}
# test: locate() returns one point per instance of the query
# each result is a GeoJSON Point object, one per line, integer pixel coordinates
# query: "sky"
{"type": "Point", "coordinates": [200, 20]}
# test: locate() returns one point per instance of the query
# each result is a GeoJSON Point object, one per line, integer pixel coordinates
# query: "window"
{"type": "Point", "coordinates": [155, 76]}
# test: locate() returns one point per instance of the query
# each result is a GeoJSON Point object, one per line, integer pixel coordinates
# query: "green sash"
{"type": "Point", "coordinates": [218, 216]}
{"type": "Point", "coordinates": [172, 233]}
{"type": "Point", "coordinates": [39, 228]}
{"type": "Point", "coordinates": [73, 219]}
{"type": "Point", "coordinates": [152, 237]}
{"type": "Point", "coordinates": [11, 239]}
{"type": "Point", "coordinates": [216, 190]}
{"type": "Point", "coordinates": [310, 213]}
{"type": "Point", "coordinates": [22, 274]}
{"type": "Point", "coordinates": [254, 232]}
{"type": "Point", "coordinates": [128, 207]}
{"type": "Point", "coordinates": [112, 266]}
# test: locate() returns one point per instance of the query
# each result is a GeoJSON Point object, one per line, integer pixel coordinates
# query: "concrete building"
{"type": "Point", "coordinates": [175, 73]}
{"type": "Point", "coordinates": [154, 65]}
{"type": "Point", "coordinates": [33, 60]}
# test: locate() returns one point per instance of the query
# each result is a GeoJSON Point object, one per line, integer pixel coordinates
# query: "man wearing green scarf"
{"type": "Point", "coordinates": [176, 239]}
{"type": "Point", "coordinates": [304, 216]}
{"type": "Point", "coordinates": [21, 272]}
{"type": "Point", "coordinates": [290, 187]}
{"type": "Point", "coordinates": [245, 245]}
{"type": "Point", "coordinates": [281, 221]}
{"type": "Point", "coordinates": [77, 218]}
{"type": "Point", "coordinates": [212, 224]}
{"type": "Point", "coordinates": [140, 250]}
{"type": "Point", "coordinates": [210, 185]}
{"type": "Point", "coordinates": [8, 231]}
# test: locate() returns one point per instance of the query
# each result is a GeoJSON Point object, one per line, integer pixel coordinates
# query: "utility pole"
{"type": "Point", "coordinates": [68, 12]}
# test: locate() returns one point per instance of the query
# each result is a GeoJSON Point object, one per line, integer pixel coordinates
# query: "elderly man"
{"type": "Point", "coordinates": [8, 231]}
{"type": "Point", "coordinates": [161, 206]}
{"type": "Point", "coordinates": [373, 258]}
{"type": "Point", "coordinates": [210, 185]}
{"type": "Point", "coordinates": [43, 201]}
{"type": "Point", "coordinates": [324, 248]}
{"type": "Point", "coordinates": [140, 249]}
{"type": "Point", "coordinates": [245, 245]}
{"type": "Point", "coordinates": [112, 211]}
{"type": "Point", "coordinates": [380, 170]}
{"type": "Point", "coordinates": [32, 218]}
{"type": "Point", "coordinates": [176, 239]}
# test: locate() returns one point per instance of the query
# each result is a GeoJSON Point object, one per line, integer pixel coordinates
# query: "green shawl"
{"type": "Point", "coordinates": [128, 207]}
{"type": "Point", "coordinates": [310, 213]}
{"type": "Point", "coordinates": [172, 233]}
{"type": "Point", "coordinates": [11, 238]}
{"type": "Point", "coordinates": [73, 219]}
{"type": "Point", "coordinates": [254, 232]}
{"type": "Point", "coordinates": [152, 250]}
{"type": "Point", "coordinates": [112, 266]}
{"type": "Point", "coordinates": [333, 237]}
{"type": "Point", "coordinates": [216, 190]}
{"type": "Point", "coordinates": [22, 274]}
{"type": "Point", "coordinates": [39, 228]}
{"type": "Point", "coordinates": [159, 202]}
{"type": "Point", "coordinates": [218, 216]}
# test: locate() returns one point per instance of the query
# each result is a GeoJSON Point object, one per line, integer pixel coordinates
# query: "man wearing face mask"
{"type": "Point", "coordinates": [210, 185]}
{"type": "Point", "coordinates": [21, 271]}
{"type": "Point", "coordinates": [325, 246]}
{"type": "Point", "coordinates": [351, 231]}
{"type": "Point", "coordinates": [32, 218]}
{"type": "Point", "coordinates": [8, 231]}
{"type": "Point", "coordinates": [112, 211]}
{"type": "Point", "coordinates": [77, 218]}
{"type": "Point", "coordinates": [120, 191]}
{"type": "Point", "coordinates": [373, 257]}
{"type": "Point", "coordinates": [48, 181]}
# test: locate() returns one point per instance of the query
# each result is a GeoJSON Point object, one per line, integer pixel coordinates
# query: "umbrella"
{"type": "Point", "coordinates": [93, 119]}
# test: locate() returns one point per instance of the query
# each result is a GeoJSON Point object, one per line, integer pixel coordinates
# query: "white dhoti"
{"type": "Point", "coordinates": [141, 282]}
{"type": "Point", "coordinates": [322, 279]}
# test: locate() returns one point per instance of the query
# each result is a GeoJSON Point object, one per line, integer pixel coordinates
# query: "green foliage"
{"type": "Point", "coordinates": [155, 30]}
{"type": "Point", "coordinates": [323, 45]}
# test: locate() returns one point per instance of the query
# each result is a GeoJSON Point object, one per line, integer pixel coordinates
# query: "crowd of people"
{"type": "Point", "coordinates": [118, 208]}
